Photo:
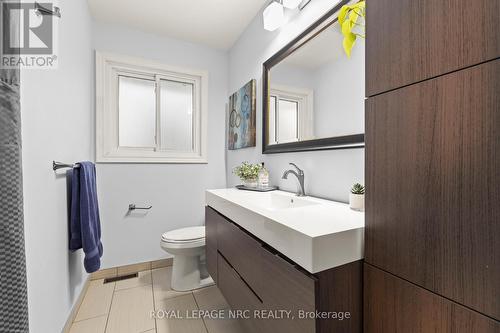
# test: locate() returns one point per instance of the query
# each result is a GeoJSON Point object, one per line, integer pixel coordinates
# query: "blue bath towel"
{"type": "Point", "coordinates": [85, 226]}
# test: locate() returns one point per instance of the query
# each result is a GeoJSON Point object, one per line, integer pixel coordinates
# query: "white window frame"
{"type": "Point", "coordinates": [108, 67]}
{"type": "Point", "coordinates": [305, 118]}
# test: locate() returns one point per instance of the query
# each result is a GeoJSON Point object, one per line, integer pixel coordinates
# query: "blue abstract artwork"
{"type": "Point", "coordinates": [241, 127]}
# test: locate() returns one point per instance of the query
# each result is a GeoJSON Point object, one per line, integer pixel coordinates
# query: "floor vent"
{"type": "Point", "coordinates": [121, 277]}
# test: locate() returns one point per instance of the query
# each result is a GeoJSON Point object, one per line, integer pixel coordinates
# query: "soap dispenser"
{"type": "Point", "coordinates": [263, 177]}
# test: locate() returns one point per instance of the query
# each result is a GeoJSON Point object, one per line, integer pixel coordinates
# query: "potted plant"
{"type": "Point", "coordinates": [351, 20]}
{"type": "Point", "coordinates": [248, 173]}
{"type": "Point", "coordinates": [357, 197]}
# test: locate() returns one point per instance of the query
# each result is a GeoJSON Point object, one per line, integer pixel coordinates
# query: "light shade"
{"type": "Point", "coordinates": [291, 4]}
{"type": "Point", "coordinates": [274, 16]}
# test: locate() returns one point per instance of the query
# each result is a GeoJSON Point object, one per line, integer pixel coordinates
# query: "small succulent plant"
{"type": "Point", "coordinates": [358, 189]}
{"type": "Point", "coordinates": [247, 171]}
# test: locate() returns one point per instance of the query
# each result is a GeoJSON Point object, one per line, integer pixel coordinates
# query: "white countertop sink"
{"type": "Point", "coordinates": [317, 234]}
{"type": "Point", "coordinates": [279, 201]}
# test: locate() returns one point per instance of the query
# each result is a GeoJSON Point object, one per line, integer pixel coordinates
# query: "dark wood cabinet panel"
{"type": "Point", "coordinates": [211, 257]}
{"type": "Point", "coordinates": [393, 305]}
{"type": "Point", "coordinates": [211, 222]}
{"type": "Point", "coordinates": [341, 289]}
{"type": "Point", "coordinates": [287, 288]}
{"type": "Point", "coordinates": [242, 251]}
{"type": "Point", "coordinates": [239, 296]}
{"type": "Point", "coordinates": [212, 219]}
{"type": "Point", "coordinates": [412, 40]}
{"type": "Point", "coordinates": [433, 175]}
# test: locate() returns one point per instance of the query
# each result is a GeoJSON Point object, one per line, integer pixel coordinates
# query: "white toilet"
{"type": "Point", "coordinates": [188, 247]}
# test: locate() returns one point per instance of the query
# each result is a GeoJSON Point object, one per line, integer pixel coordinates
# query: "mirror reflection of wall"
{"type": "Point", "coordinates": [317, 92]}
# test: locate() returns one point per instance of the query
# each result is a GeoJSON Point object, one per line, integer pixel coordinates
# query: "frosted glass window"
{"type": "Point", "coordinates": [287, 121]}
{"type": "Point", "coordinates": [176, 115]}
{"type": "Point", "coordinates": [136, 112]}
{"type": "Point", "coordinates": [148, 112]}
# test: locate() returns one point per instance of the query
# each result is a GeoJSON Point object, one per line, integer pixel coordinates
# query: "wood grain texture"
{"type": "Point", "coordinates": [287, 288]}
{"type": "Point", "coordinates": [412, 40]}
{"type": "Point", "coordinates": [393, 305]}
{"type": "Point", "coordinates": [340, 289]}
{"type": "Point", "coordinates": [432, 204]}
{"type": "Point", "coordinates": [238, 295]}
{"type": "Point", "coordinates": [242, 251]}
{"type": "Point", "coordinates": [211, 222]}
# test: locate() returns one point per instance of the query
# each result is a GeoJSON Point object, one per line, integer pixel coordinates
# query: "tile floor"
{"type": "Point", "coordinates": [125, 307]}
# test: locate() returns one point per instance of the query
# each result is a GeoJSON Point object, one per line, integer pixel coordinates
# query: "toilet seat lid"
{"type": "Point", "coordinates": [184, 234]}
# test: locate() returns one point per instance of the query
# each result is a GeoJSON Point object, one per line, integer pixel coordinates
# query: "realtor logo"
{"type": "Point", "coordinates": [28, 34]}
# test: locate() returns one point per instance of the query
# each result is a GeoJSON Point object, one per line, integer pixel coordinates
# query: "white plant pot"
{"type": "Point", "coordinates": [357, 201]}
{"type": "Point", "coordinates": [250, 182]}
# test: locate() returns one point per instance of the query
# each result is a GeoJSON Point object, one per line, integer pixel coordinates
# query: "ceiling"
{"type": "Point", "coordinates": [216, 23]}
{"type": "Point", "coordinates": [324, 48]}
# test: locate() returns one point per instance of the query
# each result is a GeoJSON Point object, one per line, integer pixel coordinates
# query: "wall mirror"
{"type": "Point", "coordinates": [313, 93]}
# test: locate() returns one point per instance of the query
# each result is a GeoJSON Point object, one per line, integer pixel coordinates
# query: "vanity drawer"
{"type": "Point", "coordinates": [211, 257]}
{"type": "Point", "coordinates": [286, 287]}
{"type": "Point", "coordinates": [238, 294]}
{"type": "Point", "coordinates": [242, 251]}
{"type": "Point", "coordinates": [211, 222]}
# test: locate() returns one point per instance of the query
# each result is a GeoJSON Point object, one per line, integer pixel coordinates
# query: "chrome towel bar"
{"type": "Point", "coordinates": [59, 165]}
{"type": "Point", "coordinates": [40, 10]}
{"type": "Point", "coordinates": [134, 207]}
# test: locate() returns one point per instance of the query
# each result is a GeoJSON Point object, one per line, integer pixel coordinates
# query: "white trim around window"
{"type": "Point", "coordinates": [108, 69]}
{"type": "Point", "coordinates": [305, 99]}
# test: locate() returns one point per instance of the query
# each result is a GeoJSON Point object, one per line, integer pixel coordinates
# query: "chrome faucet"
{"type": "Point", "coordinates": [300, 177]}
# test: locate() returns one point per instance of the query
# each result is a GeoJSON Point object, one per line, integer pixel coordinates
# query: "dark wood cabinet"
{"type": "Point", "coordinates": [433, 205]}
{"type": "Point", "coordinates": [339, 289]}
{"type": "Point", "coordinates": [393, 305]}
{"type": "Point", "coordinates": [212, 219]}
{"type": "Point", "coordinates": [408, 41]}
{"type": "Point", "coordinates": [243, 252]}
{"type": "Point", "coordinates": [288, 288]}
{"type": "Point", "coordinates": [254, 276]}
{"type": "Point", "coordinates": [238, 295]}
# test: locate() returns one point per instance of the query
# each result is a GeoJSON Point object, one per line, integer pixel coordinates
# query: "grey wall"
{"type": "Point", "coordinates": [328, 173]}
{"type": "Point", "coordinates": [339, 95]}
{"type": "Point", "coordinates": [292, 75]}
{"type": "Point", "coordinates": [56, 108]}
{"type": "Point", "coordinates": [176, 191]}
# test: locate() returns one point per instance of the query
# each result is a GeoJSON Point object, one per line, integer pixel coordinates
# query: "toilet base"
{"type": "Point", "coordinates": [187, 273]}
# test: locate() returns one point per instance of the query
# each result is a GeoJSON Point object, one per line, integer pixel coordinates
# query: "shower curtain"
{"type": "Point", "coordinates": [13, 289]}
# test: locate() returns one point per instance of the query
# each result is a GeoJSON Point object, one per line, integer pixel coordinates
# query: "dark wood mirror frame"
{"type": "Point", "coordinates": [337, 142]}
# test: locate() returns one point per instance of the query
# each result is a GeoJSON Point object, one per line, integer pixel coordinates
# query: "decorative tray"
{"type": "Point", "coordinates": [257, 189]}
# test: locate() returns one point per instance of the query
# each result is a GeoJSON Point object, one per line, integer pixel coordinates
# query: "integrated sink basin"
{"type": "Point", "coordinates": [279, 201]}
{"type": "Point", "coordinates": [316, 234]}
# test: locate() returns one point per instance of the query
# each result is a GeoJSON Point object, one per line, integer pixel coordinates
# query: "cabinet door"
{"type": "Point", "coordinates": [412, 40]}
{"type": "Point", "coordinates": [393, 305]}
{"type": "Point", "coordinates": [341, 289]}
{"type": "Point", "coordinates": [433, 175]}
{"type": "Point", "coordinates": [287, 288]}
{"type": "Point", "coordinates": [211, 221]}
{"type": "Point", "coordinates": [242, 251]}
{"type": "Point", "coordinates": [239, 296]}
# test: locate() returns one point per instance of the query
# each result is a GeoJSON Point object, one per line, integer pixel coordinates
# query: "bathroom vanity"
{"type": "Point", "coordinates": [275, 251]}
